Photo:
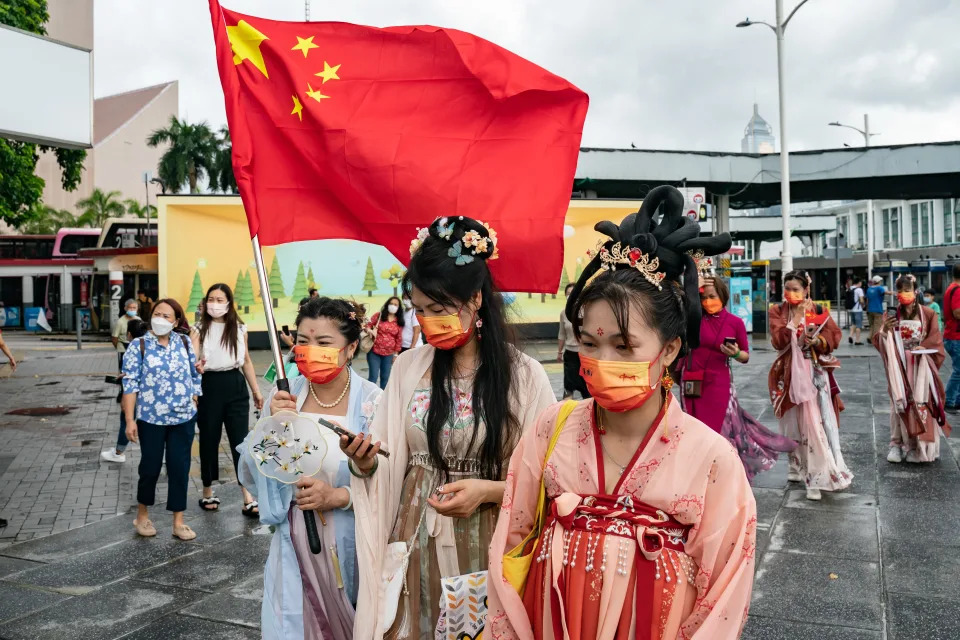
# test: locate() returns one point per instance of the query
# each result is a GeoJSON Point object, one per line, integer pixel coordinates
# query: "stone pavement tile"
{"type": "Point", "coordinates": [922, 521]}
{"type": "Point", "coordinates": [798, 587]}
{"type": "Point", "coordinates": [926, 569]}
{"type": "Point", "coordinates": [851, 534]}
{"type": "Point", "coordinates": [855, 443]}
{"type": "Point", "coordinates": [758, 628]}
{"type": "Point", "coordinates": [853, 421]}
{"type": "Point", "coordinates": [86, 572]}
{"type": "Point", "coordinates": [177, 627]}
{"type": "Point", "coordinates": [775, 478]}
{"type": "Point", "coordinates": [9, 566]}
{"type": "Point", "coordinates": [920, 617]}
{"type": "Point", "coordinates": [104, 614]}
{"type": "Point", "coordinates": [19, 601]}
{"type": "Point", "coordinates": [768, 503]}
{"type": "Point", "coordinates": [214, 568]}
{"type": "Point", "coordinates": [250, 589]}
{"type": "Point", "coordinates": [223, 607]}
{"type": "Point", "coordinates": [934, 481]}
{"type": "Point", "coordinates": [832, 501]}
{"type": "Point", "coordinates": [213, 528]}
{"type": "Point", "coordinates": [864, 469]}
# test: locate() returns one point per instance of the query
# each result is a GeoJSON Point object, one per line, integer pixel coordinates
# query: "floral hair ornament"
{"type": "Point", "coordinates": [620, 254]}
{"type": "Point", "coordinates": [464, 250]}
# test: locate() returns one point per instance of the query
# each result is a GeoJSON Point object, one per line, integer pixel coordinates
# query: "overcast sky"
{"type": "Point", "coordinates": [662, 75]}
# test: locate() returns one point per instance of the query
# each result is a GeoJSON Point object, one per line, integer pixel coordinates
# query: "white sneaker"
{"type": "Point", "coordinates": [813, 494]}
{"type": "Point", "coordinates": [794, 476]}
{"type": "Point", "coordinates": [895, 455]}
{"type": "Point", "coordinates": [110, 455]}
{"type": "Point", "coordinates": [913, 457]}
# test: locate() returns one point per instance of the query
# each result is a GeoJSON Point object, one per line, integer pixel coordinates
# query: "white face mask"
{"type": "Point", "coordinates": [407, 304]}
{"type": "Point", "coordinates": [392, 308]}
{"type": "Point", "coordinates": [161, 326]}
{"type": "Point", "coordinates": [217, 309]}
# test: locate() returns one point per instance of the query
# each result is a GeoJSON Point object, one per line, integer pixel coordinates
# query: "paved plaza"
{"type": "Point", "coordinates": [879, 561]}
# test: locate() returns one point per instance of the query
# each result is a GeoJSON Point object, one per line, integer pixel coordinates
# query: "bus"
{"type": "Point", "coordinates": [36, 247]}
{"type": "Point", "coordinates": [69, 242]}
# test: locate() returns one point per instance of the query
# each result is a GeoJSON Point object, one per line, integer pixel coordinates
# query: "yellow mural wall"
{"type": "Point", "coordinates": [204, 240]}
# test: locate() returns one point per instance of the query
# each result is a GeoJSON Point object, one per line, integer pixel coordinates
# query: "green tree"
{"type": "Point", "coordinates": [20, 188]}
{"type": "Point", "coordinates": [299, 286]}
{"type": "Point", "coordinates": [221, 173]}
{"type": "Point", "coordinates": [276, 282]}
{"type": "Point", "coordinates": [311, 282]}
{"type": "Point", "coordinates": [137, 210]}
{"type": "Point", "coordinates": [394, 275]}
{"type": "Point", "coordinates": [245, 298]}
{"type": "Point", "coordinates": [95, 210]}
{"type": "Point", "coordinates": [49, 221]}
{"type": "Point", "coordinates": [579, 269]}
{"type": "Point", "coordinates": [369, 279]}
{"type": "Point", "coordinates": [196, 293]}
{"type": "Point", "coordinates": [238, 289]}
{"type": "Point", "coordinates": [564, 281]}
{"type": "Point", "coordinates": [190, 156]}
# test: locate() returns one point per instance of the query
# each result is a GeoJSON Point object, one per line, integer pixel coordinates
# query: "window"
{"type": "Point", "coordinates": [843, 228]}
{"type": "Point", "coordinates": [891, 228]}
{"type": "Point", "coordinates": [926, 218]}
{"type": "Point", "coordinates": [948, 220]}
{"type": "Point", "coordinates": [915, 225]}
{"type": "Point", "coordinates": [886, 228]}
{"type": "Point", "coordinates": [862, 230]}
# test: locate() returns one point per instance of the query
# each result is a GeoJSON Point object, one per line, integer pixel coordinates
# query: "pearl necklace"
{"type": "Point", "coordinates": [335, 402]}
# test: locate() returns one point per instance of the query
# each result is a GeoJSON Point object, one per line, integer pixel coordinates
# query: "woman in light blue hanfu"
{"type": "Point", "coordinates": [306, 595]}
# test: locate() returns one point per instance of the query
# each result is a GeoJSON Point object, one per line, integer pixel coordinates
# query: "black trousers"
{"type": "Point", "coordinates": [571, 374]}
{"type": "Point", "coordinates": [225, 402]}
{"type": "Point", "coordinates": [175, 441]}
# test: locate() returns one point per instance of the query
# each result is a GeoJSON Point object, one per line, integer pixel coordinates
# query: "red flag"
{"type": "Point", "coordinates": [346, 131]}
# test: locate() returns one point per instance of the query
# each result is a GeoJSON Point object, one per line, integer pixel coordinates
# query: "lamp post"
{"type": "Point", "coordinates": [786, 256]}
{"type": "Point", "coordinates": [865, 132]}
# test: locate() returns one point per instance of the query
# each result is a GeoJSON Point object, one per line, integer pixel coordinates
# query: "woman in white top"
{"type": "Point", "coordinates": [220, 339]}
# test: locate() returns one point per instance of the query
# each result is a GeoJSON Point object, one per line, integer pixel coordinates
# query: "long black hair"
{"type": "Point", "coordinates": [672, 308]}
{"type": "Point", "coordinates": [437, 272]}
{"type": "Point", "coordinates": [384, 313]}
{"type": "Point", "coordinates": [231, 321]}
{"type": "Point", "coordinates": [347, 314]}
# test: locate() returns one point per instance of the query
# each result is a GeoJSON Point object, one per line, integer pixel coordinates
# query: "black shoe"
{"type": "Point", "coordinates": [851, 340]}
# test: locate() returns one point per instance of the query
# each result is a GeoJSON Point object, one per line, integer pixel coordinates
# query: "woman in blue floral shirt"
{"type": "Point", "coordinates": [160, 389]}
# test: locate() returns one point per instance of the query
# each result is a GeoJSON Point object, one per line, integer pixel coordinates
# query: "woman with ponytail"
{"type": "Point", "coordinates": [450, 416]}
{"type": "Point", "coordinates": [649, 524]}
{"type": "Point", "coordinates": [802, 388]}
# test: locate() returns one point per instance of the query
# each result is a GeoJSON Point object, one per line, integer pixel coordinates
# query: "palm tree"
{"type": "Point", "coordinates": [221, 177]}
{"type": "Point", "coordinates": [190, 155]}
{"type": "Point", "coordinates": [137, 210]}
{"type": "Point", "coordinates": [47, 221]}
{"type": "Point", "coordinates": [95, 210]}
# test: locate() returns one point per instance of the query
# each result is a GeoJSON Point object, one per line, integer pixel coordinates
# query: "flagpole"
{"type": "Point", "coordinates": [310, 523]}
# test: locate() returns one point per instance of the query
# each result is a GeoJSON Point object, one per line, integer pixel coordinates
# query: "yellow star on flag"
{"type": "Point", "coordinates": [297, 108]}
{"type": "Point", "coordinates": [305, 44]}
{"type": "Point", "coordinates": [245, 41]}
{"type": "Point", "coordinates": [316, 95]}
{"type": "Point", "coordinates": [328, 73]}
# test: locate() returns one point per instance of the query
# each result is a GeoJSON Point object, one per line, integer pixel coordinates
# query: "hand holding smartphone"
{"type": "Point", "coordinates": [340, 431]}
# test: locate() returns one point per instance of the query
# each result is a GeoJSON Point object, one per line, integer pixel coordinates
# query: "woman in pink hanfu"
{"type": "Point", "coordinates": [723, 341]}
{"type": "Point", "coordinates": [650, 530]}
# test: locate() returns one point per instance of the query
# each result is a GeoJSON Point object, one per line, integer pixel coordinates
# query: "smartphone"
{"type": "Point", "coordinates": [286, 329]}
{"type": "Point", "coordinates": [340, 431]}
{"type": "Point", "coordinates": [892, 311]}
{"type": "Point", "coordinates": [730, 341]}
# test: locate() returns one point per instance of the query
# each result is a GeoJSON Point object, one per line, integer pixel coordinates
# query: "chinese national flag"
{"type": "Point", "coordinates": [346, 131]}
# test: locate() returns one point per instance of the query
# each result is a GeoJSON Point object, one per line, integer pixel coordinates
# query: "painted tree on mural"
{"type": "Point", "coordinates": [276, 282]}
{"type": "Point", "coordinates": [196, 293]}
{"type": "Point", "coordinates": [245, 297]}
{"type": "Point", "coordinates": [311, 282]}
{"type": "Point", "coordinates": [369, 279]}
{"type": "Point", "coordinates": [300, 289]}
{"type": "Point", "coordinates": [238, 289]}
{"type": "Point", "coordinates": [394, 275]}
{"type": "Point", "coordinates": [579, 269]}
{"type": "Point", "coordinates": [564, 281]}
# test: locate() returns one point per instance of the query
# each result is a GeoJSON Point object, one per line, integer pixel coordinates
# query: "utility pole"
{"type": "Point", "coordinates": [306, 10]}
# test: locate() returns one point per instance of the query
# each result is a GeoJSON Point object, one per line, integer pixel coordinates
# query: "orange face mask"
{"type": "Point", "coordinates": [906, 298]}
{"type": "Point", "coordinates": [616, 385]}
{"type": "Point", "coordinates": [793, 297]}
{"type": "Point", "coordinates": [444, 332]}
{"type": "Point", "coordinates": [319, 365]}
{"type": "Point", "coordinates": [712, 306]}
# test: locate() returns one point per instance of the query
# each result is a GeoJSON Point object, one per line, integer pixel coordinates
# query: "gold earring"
{"type": "Point", "coordinates": [667, 379]}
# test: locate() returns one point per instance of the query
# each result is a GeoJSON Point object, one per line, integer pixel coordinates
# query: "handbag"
{"type": "Point", "coordinates": [369, 335]}
{"type": "Point", "coordinates": [463, 607]}
{"type": "Point", "coordinates": [692, 383]}
{"type": "Point", "coordinates": [517, 561]}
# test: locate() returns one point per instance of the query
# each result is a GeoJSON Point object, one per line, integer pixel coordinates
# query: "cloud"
{"type": "Point", "coordinates": [660, 75]}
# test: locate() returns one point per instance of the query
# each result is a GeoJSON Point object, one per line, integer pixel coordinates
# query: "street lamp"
{"type": "Point", "coordinates": [786, 257]}
{"type": "Point", "coordinates": [865, 132]}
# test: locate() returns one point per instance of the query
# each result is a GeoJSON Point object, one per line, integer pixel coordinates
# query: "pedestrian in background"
{"type": "Point", "coordinates": [220, 339]}
{"type": "Point", "coordinates": [119, 335]}
{"type": "Point", "coordinates": [161, 384]}
{"type": "Point", "coordinates": [136, 328]}
{"type": "Point", "coordinates": [856, 313]}
{"type": "Point", "coordinates": [410, 335]}
{"type": "Point", "coordinates": [145, 304]}
{"type": "Point", "coordinates": [951, 339]}
{"type": "Point", "coordinates": [876, 295]}
{"type": "Point", "coordinates": [568, 352]}
{"type": "Point", "coordinates": [6, 351]}
{"type": "Point", "coordinates": [930, 300]}
{"type": "Point", "coordinates": [386, 327]}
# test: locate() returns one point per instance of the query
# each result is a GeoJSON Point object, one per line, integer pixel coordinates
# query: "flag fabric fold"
{"type": "Point", "coordinates": [363, 133]}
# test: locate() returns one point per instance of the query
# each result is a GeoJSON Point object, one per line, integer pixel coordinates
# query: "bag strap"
{"type": "Point", "coordinates": [565, 412]}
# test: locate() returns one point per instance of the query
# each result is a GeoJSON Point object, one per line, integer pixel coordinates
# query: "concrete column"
{"type": "Point", "coordinates": [28, 291]}
{"type": "Point", "coordinates": [723, 213]}
{"type": "Point", "coordinates": [66, 288]}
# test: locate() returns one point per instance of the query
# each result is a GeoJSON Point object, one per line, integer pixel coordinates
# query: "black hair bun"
{"type": "Point", "coordinates": [468, 238]}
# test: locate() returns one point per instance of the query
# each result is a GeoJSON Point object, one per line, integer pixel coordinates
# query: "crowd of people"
{"type": "Point", "coordinates": [626, 514]}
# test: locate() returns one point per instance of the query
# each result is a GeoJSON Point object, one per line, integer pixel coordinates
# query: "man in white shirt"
{"type": "Point", "coordinates": [856, 314]}
{"type": "Point", "coordinates": [410, 337]}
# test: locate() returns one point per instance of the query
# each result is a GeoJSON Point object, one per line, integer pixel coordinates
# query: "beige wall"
{"type": "Point", "coordinates": [71, 21]}
{"type": "Point", "coordinates": [120, 159]}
